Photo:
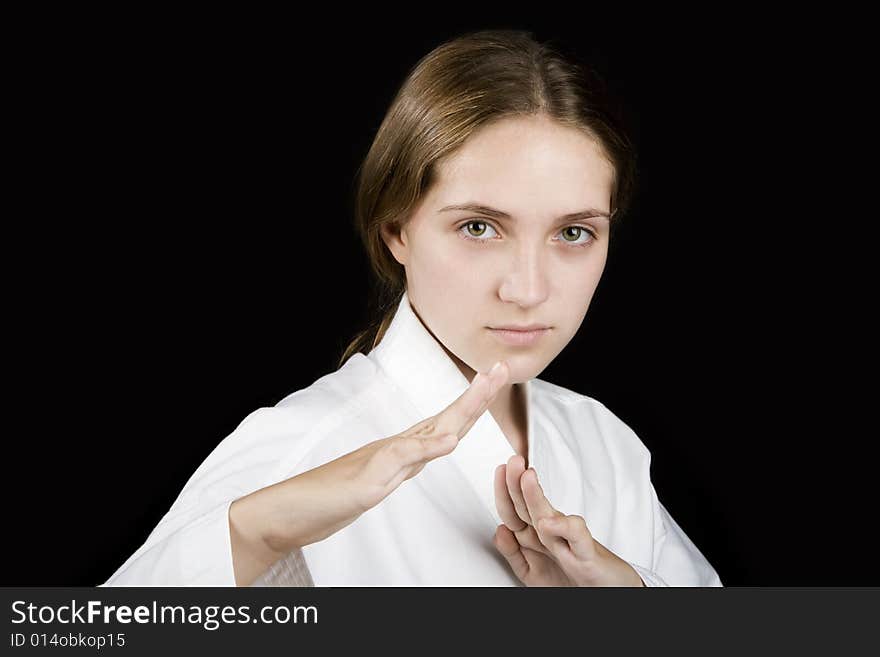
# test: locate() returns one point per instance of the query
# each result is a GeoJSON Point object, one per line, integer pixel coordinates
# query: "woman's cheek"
{"type": "Point", "coordinates": [450, 260]}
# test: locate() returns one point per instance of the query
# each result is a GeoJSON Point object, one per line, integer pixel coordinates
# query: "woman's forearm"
{"type": "Point", "coordinates": [251, 524]}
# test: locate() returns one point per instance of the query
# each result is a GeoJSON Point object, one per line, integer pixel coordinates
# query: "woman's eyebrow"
{"type": "Point", "coordinates": [589, 213]}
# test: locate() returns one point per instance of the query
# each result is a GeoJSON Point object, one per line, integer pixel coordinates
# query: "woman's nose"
{"type": "Point", "coordinates": [525, 281]}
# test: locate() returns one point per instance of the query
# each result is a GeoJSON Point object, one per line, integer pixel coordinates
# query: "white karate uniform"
{"type": "Point", "coordinates": [436, 529]}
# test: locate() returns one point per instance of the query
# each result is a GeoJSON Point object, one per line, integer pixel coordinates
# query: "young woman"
{"type": "Point", "coordinates": [486, 205]}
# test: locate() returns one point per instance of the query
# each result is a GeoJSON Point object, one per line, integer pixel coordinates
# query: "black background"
{"type": "Point", "coordinates": [180, 252]}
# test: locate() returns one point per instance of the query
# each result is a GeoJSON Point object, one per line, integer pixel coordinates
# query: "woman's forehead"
{"type": "Point", "coordinates": [526, 157]}
{"type": "Point", "coordinates": [519, 184]}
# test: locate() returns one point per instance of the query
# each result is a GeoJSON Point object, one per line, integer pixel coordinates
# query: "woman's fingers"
{"type": "Point", "coordinates": [430, 438]}
{"type": "Point", "coordinates": [461, 414]}
{"type": "Point", "coordinates": [508, 546]}
{"type": "Point", "coordinates": [539, 508]}
{"type": "Point", "coordinates": [574, 531]}
{"type": "Point", "coordinates": [504, 504]}
{"type": "Point", "coordinates": [396, 459]}
{"type": "Point", "coordinates": [516, 465]}
{"type": "Point", "coordinates": [537, 504]}
{"type": "Point", "coordinates": [532, 567]}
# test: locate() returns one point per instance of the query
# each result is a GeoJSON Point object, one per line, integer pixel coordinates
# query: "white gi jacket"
{"type": "Point", "coordinates": [436, 529]}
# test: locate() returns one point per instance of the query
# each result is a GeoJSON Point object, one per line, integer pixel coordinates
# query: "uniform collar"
{"type": "Point", "coordinates": [413, 358]}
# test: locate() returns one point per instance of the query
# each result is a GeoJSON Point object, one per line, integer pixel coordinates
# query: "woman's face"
{"type": "Point", "coordinates": [470, 271]}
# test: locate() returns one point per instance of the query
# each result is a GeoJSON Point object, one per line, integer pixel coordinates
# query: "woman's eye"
{"type": "Point", "coordinates": [575, 233]}
{"type": "Point", "coordinates": [479, 231]}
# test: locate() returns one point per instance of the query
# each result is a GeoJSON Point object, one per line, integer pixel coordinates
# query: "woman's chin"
{"type": "Point", "coordinates": [522, 368]}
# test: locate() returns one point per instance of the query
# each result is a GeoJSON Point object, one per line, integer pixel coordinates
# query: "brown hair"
{"type": "Point", "coordinates": [454, 90]}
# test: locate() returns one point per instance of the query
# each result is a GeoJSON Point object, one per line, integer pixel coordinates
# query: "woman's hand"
{"type": "Point", "coordinates": [545, 547]}
{"type": "Point", "coordinates": [267, 524]}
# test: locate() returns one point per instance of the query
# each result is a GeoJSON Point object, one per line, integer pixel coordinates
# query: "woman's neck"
{"type": "Point", "coordinates": [509, 411]}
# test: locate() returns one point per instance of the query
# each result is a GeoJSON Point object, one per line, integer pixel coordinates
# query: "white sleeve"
{"type": "Point", "coordinates": [676, 560]}
{"type": "Point", "coordinates": [191, 545]}
{"type": "Point", "coordinates": [198, 553]}
{"type": "Point", "coordinates": [292, 570]}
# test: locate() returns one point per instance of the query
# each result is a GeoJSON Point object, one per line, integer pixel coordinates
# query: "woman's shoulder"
{"type": "Point", "coordinates": [342, 389]}
{"type": "Point", "coordinates": [581, 410]}
{"type": "Point", "coordinates": [291, 429]}
{"type": "Point", "coordinates": [544, 392]}
{"type": "Point", "coordinates": [329, 400]}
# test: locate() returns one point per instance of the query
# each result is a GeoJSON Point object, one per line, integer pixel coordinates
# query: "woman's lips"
{"type": "Point", "coordinates": [519, 338]}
